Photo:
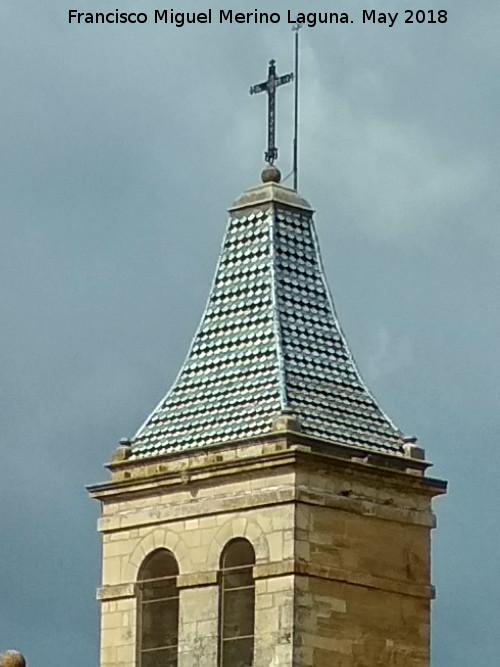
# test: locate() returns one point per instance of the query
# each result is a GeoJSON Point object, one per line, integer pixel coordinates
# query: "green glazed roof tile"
{"type": "Point", "coordinates": [269, 340]}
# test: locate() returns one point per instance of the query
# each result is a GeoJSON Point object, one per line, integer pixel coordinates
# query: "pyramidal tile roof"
{"type": "Point", "coordinates": [268, 343]}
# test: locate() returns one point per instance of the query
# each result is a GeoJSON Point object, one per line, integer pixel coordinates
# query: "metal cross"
{"type": "Point", "coordinates": [270, 86]}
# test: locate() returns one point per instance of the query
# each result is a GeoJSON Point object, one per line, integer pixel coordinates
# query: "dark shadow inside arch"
{"type": "Point", "coordinates": [158, 610]}
{"type": "Point", "coordinates": [236, 604]}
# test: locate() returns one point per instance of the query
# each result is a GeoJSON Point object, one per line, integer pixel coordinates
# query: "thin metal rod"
{"type": "Point", "coordinates": [296, 28]}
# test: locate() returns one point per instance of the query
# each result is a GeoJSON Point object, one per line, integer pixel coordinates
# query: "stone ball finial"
{"type": "Point", "coordinates": [121, 453]}
{"type": "Point", "coordinates": [270, 174]}
{"type": "Point", "coordinates": [12, 659]}
{"type": "Point", "coordinates": [286, 421]}
{"type": "Point", "coordinates": [412, 450]}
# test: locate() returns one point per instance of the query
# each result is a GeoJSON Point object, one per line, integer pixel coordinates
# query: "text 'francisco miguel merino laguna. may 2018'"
{"type": "Point", "coordinates": [180, 19]}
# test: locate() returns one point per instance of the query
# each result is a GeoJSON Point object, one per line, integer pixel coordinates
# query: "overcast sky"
{"type": "Point", "coordinates": [121, 147]}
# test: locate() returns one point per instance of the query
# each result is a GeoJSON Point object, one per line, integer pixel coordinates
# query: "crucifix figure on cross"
{"type": "Point", "coordinates": [270, 86]}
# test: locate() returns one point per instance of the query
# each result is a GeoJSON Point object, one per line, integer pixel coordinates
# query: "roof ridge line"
{"type": "Point", "coordinates": [282, 382]}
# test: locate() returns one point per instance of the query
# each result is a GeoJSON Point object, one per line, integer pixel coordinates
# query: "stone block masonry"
{"type": "Point", "coordinates": [342, 573]}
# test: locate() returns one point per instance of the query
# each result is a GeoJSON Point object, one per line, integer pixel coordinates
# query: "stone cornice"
{"type": "Point", "coordinates": [308, 569]}
{"type": "Point", "coordinates": [280, 569]}
{"type": "Point", "coordinates": [136, 478]}
{"type": "Point", "coordinates": [172, 512]}
{"type": "Point", "coordinates": [115, 592]}
{"type": "Point", "coordinates": [197, 579]}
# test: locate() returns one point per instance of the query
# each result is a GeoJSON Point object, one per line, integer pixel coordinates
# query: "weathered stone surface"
{"type": "Point", "coordinates": [342, 555]}
{"type": "Point", "coordinates": [12, 659]}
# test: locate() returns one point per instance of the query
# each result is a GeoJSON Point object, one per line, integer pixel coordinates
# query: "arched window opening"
{"type": "Point", "coordinates": [158, 611]}
{"type": "Point", "coordinates": [237, 605]}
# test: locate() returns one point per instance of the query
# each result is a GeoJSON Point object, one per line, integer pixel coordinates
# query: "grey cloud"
{"type": "Point", "coordinates": [121, 149]}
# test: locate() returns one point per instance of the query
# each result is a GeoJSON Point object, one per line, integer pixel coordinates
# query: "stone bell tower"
{"type": "Point", "coordinates": [267, 513]}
